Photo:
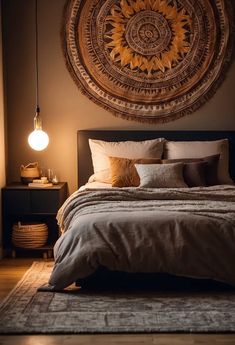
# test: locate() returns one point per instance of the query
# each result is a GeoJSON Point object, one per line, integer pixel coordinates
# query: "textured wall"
{"type": "Point", "coordinates": [64, 109]}
{"type": "Point", "coordinates": [2, 136]}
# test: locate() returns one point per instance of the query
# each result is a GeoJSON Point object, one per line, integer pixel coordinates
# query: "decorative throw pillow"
{"type": "Point", "coordinates": [199, 171]}
{"type": "Point", "coordinates": [102, 150]}
{"type": "Point", "coordinates": [161, 175]}
{"type": "Point", "coordinates": [123, 171]}
{"type": "Point", "coordinates": [199, 149]}
{"type": "Point", "coordinates": [193, 172]}
{"type": "Point", "coordinates": [212, 170]}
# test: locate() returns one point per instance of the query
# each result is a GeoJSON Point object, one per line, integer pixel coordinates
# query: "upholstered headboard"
{"type": "Point", "coordinates": [84, 156]}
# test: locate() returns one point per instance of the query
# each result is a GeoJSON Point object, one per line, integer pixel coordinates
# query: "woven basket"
{"type": "Point", "coordinates": [29, 172]}
{"type": "Point", "coordinates": [33, 235]}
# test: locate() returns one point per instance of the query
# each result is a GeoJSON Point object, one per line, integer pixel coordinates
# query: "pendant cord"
{"type": "Point", "coordinates": [36, 55]}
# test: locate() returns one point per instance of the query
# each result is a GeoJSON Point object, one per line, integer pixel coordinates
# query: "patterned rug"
{"type": "Point", "coordinates": [26, 311]}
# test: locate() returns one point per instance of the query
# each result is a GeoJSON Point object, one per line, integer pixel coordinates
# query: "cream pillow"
{"type": "Point", "coordinates": [102, 150]}
{"type": "Point", "coordinates": [200, 149]}
{"type": "Point", "coordinates": [161, 175]}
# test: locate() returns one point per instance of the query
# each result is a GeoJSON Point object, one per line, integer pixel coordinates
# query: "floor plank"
{"type": "Point", "coordinates": [12, 270]}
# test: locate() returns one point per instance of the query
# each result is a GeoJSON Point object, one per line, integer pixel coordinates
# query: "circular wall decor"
{"type": "Point", "coordinates": [148, 60]}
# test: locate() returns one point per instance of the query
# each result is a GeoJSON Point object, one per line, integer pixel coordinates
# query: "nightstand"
{"type": "Point", "coordinates": [21, 203]}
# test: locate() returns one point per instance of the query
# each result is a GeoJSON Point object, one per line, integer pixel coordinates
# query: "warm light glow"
{"type": "Point", "coordinates": [38, 140]}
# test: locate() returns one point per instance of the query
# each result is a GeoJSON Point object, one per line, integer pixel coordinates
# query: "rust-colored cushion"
{"type": "Point", "coordinates": [123, 171]}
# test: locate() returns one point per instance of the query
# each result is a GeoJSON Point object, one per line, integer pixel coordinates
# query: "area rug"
{"type": "Point", "coordinates": [148, 60]}
{"type": "Point", "coordinates": [26, 311]}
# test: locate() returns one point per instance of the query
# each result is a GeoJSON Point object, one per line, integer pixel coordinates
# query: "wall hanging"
{"type": "Point", "coordinates": [148, 60]}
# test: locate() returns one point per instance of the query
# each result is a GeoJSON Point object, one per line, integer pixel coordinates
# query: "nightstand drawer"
{"type": "Point", "coordinates": [17, 203]}
{"type": "Point", "coordinates": [44, 201]}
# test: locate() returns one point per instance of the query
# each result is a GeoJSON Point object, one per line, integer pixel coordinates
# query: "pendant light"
{"type": "Point", "coordinates": [38, 139]}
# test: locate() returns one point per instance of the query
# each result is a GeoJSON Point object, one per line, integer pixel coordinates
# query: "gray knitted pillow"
{"type": "Point", "coordinates": [161, 175]}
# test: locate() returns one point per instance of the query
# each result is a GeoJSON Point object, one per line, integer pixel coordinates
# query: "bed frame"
{"type": "Point", "coordinates": [84, 157]}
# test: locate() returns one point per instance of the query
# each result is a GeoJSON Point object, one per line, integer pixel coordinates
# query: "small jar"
{"type": "Point", "coordinates": [55, 180]}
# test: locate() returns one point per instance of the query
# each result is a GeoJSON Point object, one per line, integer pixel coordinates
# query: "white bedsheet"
{"type": "Point", "coordinates": [95, 185]}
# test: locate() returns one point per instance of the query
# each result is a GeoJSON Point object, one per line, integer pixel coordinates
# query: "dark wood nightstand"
{"type": "Point", "coordinates": [21, 203]}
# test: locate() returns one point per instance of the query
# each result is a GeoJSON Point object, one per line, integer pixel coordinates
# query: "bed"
{"type": "Point", "coordinates": [183, 231]}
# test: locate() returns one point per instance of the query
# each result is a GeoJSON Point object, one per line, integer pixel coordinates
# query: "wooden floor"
{"type": "Point", "coordinates": [11, 270]}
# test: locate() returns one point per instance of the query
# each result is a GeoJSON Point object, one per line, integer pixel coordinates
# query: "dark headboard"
{"type": "Point", "coordinates": [84, 157]}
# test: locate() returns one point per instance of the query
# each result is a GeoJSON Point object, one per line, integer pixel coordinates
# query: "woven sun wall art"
{"type": "Point", "coordinates": [148, 60]}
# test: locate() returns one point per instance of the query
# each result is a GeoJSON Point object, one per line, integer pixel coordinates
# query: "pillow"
{"type": "Point", "coordinates": [123, 171]}
{"type": "Point", "coordinates": [102, 150]}
{"type": "Point", "coordinates": [194, 174]}
{"type": "Point", "coordinates": [161, 175]}
{"type": "Point", "coordinates": [193, 171]}
{"type": "Point", "coordinates": [199, 174]}
{"type": "Point", "coordinates": [198, 149]}
{"type": "Point", "coordinates": [212, 170]}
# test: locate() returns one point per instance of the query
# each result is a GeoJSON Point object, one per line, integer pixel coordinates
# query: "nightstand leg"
{"type": "Point", "coordinates": [13, 254]}
{"type": "Point", "coordinates": [45, 255]}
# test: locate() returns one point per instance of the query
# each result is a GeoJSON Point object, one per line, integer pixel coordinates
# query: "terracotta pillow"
{"type": "Point", "coordinates": [123, 171]}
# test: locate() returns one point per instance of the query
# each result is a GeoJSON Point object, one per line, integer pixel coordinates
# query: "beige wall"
{"type": "Point", "coordinates": [64, 108]}
{"type": "Point", "coordinates": [2, 140]}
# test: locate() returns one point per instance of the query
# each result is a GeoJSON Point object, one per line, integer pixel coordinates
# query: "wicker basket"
{"type": "Point", "coordinates": [30, 235]}
{"type": "Point", "coordinates": [29, 172]}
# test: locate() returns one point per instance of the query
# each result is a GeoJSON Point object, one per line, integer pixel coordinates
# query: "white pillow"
{"type": "Point", "coordinates": [102, 150]}
{"type": "Point", "coordinates": [200, 149]}
{"type": "Point", "coordinates": [161, 175]}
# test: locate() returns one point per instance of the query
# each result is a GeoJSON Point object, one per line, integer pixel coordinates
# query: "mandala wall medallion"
{"type": "Point", "coordinates": [148, 60]}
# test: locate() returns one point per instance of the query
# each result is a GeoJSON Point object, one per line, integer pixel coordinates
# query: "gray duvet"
{"type": "Point", "coordinates": [186, 232]}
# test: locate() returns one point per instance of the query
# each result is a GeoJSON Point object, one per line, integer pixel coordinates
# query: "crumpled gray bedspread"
{"type": "Point", "coordinates": [187, 232]}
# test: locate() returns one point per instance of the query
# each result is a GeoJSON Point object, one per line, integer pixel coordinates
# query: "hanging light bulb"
{"type": "Point", "coordinates": [38, 139]}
